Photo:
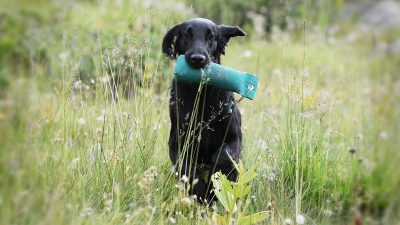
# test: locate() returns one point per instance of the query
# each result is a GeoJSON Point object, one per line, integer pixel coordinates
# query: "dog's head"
{"type": "Point", "coordinates": [200, 40]}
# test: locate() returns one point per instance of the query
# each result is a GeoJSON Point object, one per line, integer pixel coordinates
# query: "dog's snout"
{"type": "Point", "coordinates": [197, 58]}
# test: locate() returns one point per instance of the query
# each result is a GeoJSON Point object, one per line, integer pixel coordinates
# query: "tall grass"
{"type": "Point", "coordinates": [323, 128]}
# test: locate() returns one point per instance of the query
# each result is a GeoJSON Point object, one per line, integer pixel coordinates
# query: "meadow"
{"type": "Point", "coordinates": [321, 134]}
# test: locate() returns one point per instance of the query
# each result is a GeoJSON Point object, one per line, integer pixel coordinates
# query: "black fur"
{"type": "Point", "coordinates": [220, 130]}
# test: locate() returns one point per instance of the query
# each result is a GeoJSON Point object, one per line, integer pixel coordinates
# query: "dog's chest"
{"type": "Point", "coordinates": [203, 117]}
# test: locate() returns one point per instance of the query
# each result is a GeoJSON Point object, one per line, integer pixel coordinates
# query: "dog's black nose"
{"type": "Point", "coordinates": [197, 58]}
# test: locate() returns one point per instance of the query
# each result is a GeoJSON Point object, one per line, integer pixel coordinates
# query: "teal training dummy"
{"type": "Point", "coordinates": [219, 76]}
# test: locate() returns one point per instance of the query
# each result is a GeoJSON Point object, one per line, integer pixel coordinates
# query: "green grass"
{"type": "Point", "coordinates": [70, 154]}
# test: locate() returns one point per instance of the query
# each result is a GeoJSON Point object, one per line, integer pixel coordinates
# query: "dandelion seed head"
{"type": "Point", "coordinates": [287, 221]}
{"type": "Point", "coordinates": [172, 220]}
{"type": "Point", "coordinates": [180, 186]}
{"type": "Point", "coordinates": [271, 177]}
{"type": "Point", "coordinates": [384, 135]}
{"type": "Point", "coordinates": [247, 54]}
{"type": "Point", "coordinates": [104, 79]}
{"type": "Point", "coordinates": [184, 179]}
{"type": "Point", "coordinates": [327, 212]}
{"type": "Point", "coordinates": [81, 121]}
{"type": "Point", "coordinates": [300, 219]}
{"type": "Point", "coordinates": [186, 201]}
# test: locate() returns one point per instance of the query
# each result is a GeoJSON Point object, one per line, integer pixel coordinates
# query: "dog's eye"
{"type": "Point", "coordinates": [188, 34]}
{"type": "Point", "coordinates": [210, 36]}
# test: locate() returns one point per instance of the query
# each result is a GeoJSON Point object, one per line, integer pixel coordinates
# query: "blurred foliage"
{"type": "Point", "coordinates": [18, 19]}
{"type": "Point", "coordinates": [273, 12]}
{"type": "Point", "coordinates": [41, 35]}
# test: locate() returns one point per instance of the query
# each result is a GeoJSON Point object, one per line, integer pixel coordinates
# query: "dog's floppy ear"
{"type": "Point", "coordinates": [225, 33]}
{"type": "Point", "coordinates": [169, 42]}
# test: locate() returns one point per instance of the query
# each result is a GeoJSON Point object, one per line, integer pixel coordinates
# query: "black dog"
{"type": "Point", "coordinates": [202, 140]}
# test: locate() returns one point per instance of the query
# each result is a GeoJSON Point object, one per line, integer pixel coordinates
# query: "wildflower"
{"type": "Point", "coordinates": [186, 201]}
{"type": "Point", "coordinates": [184, 179]}
{"type": "Point", "coordinates": [352, 150]}
{"type": "Point", "coordinates": [81, 121]}
{"type": "Point", "coordinates": [247, 54]}
{"type": "Point", "coordinates": [277, 72]}
{"type": "Point", "coordinates": [287, 221]}
{"type": "Point", "coordinates": [384, 135]}
{"type": "Point", "coordinates": [271, 177]}
{"type": "Point", "coordinates": [70, 142]}
{"type": "Point", "coordinates": [300, 219]}
{"type": "Point", "coordinates": [77, 84]}
{"type": "Point", "coordinates": [270, 205]}
{"type": "Point", "coordinates": [104, 79]}
{"type": "Point", "coordinates": [327, 212]}
{"type": "Point", "coordinates": [156, 127]}
{"type": "Point", "coordinates": [180, 186]}
{"type": "Point", "coordinates": [172, 220]}
{"type": "Point", "coordinates": [253, 199]}
{"type": "Point", "coordinates": [63, 56]}
{"type": "Point", "coordinates": [195, 181]}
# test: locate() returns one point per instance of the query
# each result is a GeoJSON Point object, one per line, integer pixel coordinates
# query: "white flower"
{"type": "Point", "coordinates": [271, 177]}
{"type": "Point", "coordinates": [186, 201]}
{"type": "Point", "coordinates": [172, 220]}
{"type": "Point", "coordinates": [81, 121]}
{"type": "Point", "coordinates": [247, 54]}
{"type": "Point", "coordinates": [300, 219]}
{"type": "Point", "coordinates": [184, 179]}
{"type": "Point", "coordinates": [277, 72]}
{"type": "Point", "coordinates": [104, 79]}
{"type": "Point", "coordinates": [180, 186]}
{"type": "Point", "coordinates": [384, 135]}
{"type": "Point", "coordinates": [287, 221]}
{"type": "Point", "coordinates": [327, 212]}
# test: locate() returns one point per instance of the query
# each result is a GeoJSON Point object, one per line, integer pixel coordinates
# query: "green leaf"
{"type": "Point", "coordinates": [247, 177]}
{"type": "Point", "coordinates": [223, 191]}
{"type": "Point", "coordinates": [241, 190]}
